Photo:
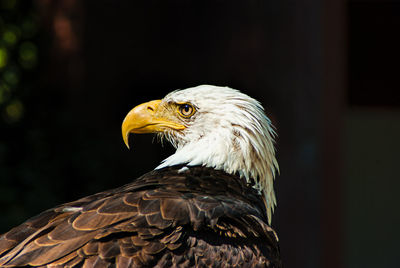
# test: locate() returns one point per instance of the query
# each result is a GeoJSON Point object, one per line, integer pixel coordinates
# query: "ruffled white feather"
{"type": "Point", "coordinates": [229, 131]}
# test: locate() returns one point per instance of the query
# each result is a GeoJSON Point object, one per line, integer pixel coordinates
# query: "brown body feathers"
{"type": "Point", "coordinates": [194, 217]}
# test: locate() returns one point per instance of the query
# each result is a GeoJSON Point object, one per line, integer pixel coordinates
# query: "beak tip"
{"type": "Point", "coordinates": [126, 141]}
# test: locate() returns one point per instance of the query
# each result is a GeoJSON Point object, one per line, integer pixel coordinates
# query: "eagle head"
{"type": "Point", "coordinates": [213, 126]}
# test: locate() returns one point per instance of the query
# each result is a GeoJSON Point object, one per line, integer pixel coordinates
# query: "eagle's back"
{"type": "Point", "coordinates": [173, 217]}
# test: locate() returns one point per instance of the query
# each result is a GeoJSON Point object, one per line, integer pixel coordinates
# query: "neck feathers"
{"type": "Point", "coordinates": [246, 150]}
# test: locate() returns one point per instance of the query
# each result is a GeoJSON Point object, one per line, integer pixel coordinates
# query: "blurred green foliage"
{"type": "Point", "coordinates": [18, 55]}
{"type": "Point", "coordinates": [18, 64]}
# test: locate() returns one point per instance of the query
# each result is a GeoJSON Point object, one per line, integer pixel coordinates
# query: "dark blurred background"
{"type": "Point", "coordinates": [326, 72]}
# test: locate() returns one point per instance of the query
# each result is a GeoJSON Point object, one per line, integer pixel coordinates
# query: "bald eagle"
{"type": "Point", "coordinates": [208, 205]}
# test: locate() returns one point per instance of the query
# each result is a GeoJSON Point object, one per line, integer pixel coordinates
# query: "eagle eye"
{"type": "Point", "coordinates": [186, 110]}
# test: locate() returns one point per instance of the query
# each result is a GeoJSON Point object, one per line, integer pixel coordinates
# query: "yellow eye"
{"type": "Point", "coordinates": [186, 110]}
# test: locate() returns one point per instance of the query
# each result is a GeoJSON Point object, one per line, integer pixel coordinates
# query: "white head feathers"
{"type": "Point", "coordinates": [229, 131]}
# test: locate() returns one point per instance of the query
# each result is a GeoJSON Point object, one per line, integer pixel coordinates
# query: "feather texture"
{"type": "Point", "coordinates": [229, 131]}
{"type": "Point", "coordinates": [166, 218]}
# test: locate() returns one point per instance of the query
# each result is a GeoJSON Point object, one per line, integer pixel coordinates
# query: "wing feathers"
{"type": "Point", "coordinates": [164, 219]}
{"type": "Point", "coordinates": [175, 209]}
{"type": "Point", "coordinates": [148, 206]}
{"type": "Point", "coordinates": [109, 249]}
{"type": "Point", "coordinates": [116, 206]}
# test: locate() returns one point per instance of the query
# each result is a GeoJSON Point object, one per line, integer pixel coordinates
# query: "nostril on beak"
{"type": "Point", "coordinates": [150, 108]}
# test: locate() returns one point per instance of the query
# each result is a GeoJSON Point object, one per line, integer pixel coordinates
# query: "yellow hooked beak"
{"type": "Point", "coordinates": [148, 117]}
